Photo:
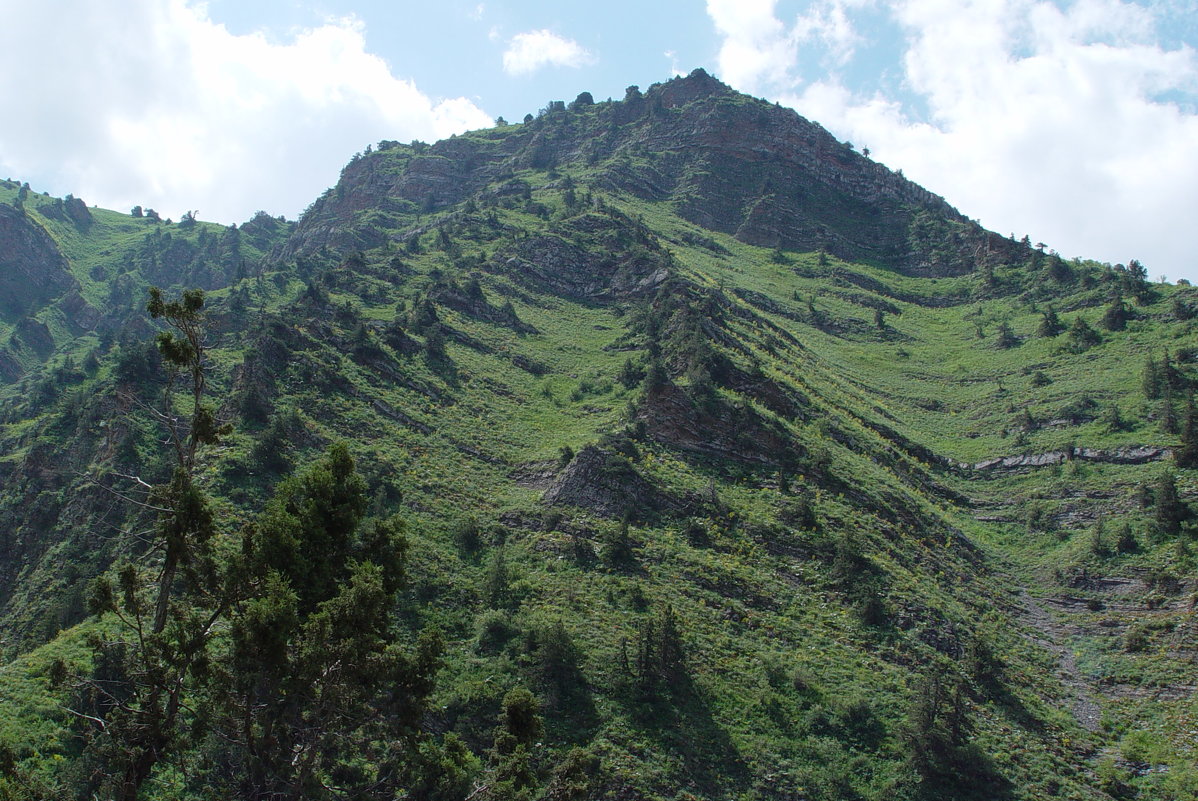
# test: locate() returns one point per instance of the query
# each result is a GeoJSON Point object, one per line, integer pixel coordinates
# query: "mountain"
{"type": "Point", "coordinates": [661, 448]}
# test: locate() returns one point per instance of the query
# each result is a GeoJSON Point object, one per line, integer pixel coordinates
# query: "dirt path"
{"type": "Point", "coordinates": [1054, 636]}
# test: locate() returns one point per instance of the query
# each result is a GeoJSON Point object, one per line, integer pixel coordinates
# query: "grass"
{"type": "Point", "coordinates": [791, 684]}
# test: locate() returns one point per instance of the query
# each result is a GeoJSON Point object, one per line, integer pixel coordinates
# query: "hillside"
{"type": "Point", "coordinates": [730, 464]}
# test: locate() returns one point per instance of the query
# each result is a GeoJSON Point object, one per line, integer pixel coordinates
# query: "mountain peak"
{"type": "Point", "coordinates": [726, 161]}
{"type": "Point", "coordinates": [680, 90]}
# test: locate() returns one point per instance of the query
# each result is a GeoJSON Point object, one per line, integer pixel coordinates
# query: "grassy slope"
{"type": "Point", "coordinates": [791, 689]}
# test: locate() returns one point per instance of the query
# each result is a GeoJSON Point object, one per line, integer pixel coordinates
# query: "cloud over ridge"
{"type": "Point", "coordinates": [530, 51]}
{"type": "Point", "coordinates": [1059, 120]}
{"type": "Point", "coordinates": [155, 104]}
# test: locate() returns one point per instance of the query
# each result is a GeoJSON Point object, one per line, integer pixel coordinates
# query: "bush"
{"type": "Point", "coordinates": [1082, 337]}
{"type": "Point", "coordinates": [1006, 337]}
{"type": "Point", "coordinates": [468, 535]}
{"type": "Point", "coordinates": [493, 631]}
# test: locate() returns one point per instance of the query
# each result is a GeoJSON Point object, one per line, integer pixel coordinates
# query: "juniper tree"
{"type": "Point", "coordinates": [1082, 336]}
{"type": "Point", "coordinates": [315, 679]}
{"type": "Point", "coordinates": [1168, 415]}
{"type": "Point", "coordinates": [938, 729]}
{"type": "Point", "coordinates": [1116, 315]}
{"type": "Point", "coordinates": [1182, 310]}
{"type": "Point", "coordinates": [660, 657]}
{"type": "Point", "coordinates": [1151, 379]}
{"type": "Point", "coordinates": [168, 621]}
{"type": "Point", "coordinates": [1050, 324]}
{"type": "Point", "coordinates": [520, 726]}
{"type": "Point", "coordinates": [1170, 374]}
{"type": "Point", "coordinates": [1187, 454]}
{"type": "Point", "coordinates": [1170, 511]}
{"type": "Point", "coordinates": [1006, 337]}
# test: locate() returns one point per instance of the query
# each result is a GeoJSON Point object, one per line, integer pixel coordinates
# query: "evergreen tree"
{"type": "Point", "coordinates": [1058, 270]}
{"type": "Point", "coordinates": [496, 583]}
{"type": "Point", "coordinates": [1187, 454]}
{"type": "Point", "coordinates": [1006, 337]}
{"type": "Point", "coordinates": [315, 679]}
{"type": "Point", "coordinates": [574, 778]}
{"type": "Point", "coordinates": [1168, 415]}
{"type": "Point", "coordinates": [1113, 420]}
{"type": "Point", "coordinates": [555, 661]}
{"type": "Point", "coordinates": [168, 622]}
{"type": "Point", "coordinates": [1170, 374]}
{"type": "Point", "coordinates": [1098, 540]}
{"type": "Point", "coordinates": [619, 551]}
{"type": "Point", "coordinates": [1170, 511]}
{"type": "Point", "coordinates": [520, 726]}
{"type": "Point", "coordinates": [1125, 540]}
{"type": "Point", "coordinates": [1050, 324]}
{"type": "Point", "coordinates": [1182, 310]}
{"type": "Point", "coordinates": [1116, 315]}
{"type": "Point", "coordinates": [660, 667]}
{"type": "Point", "coordinates": [629, 374]}
{"type": "Point", "coordinates": [1151, 379]}
{"type": "Point", "coordinates": [937, 735]}
{"type": "Point", "coordinates": [1081, 336]}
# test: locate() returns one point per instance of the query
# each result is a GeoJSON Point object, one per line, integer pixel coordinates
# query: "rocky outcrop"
{"type": "Point", "coordinates": [473, 303]}
{"type": "Point", "coordinates": [33, 271]}
{"type": "Point", "coordinates": [564, 267]}
{"type": "Point", "coordinates": [33, 336]}
{"type": "Point", "coordinates": [774, 179]}
{"type": "Point", "coordinates": [396, 183]}
{"type": "Point", "coordinates": [733, 431]}
{"type": "Point", "coordinates": [607, 484]}
{"type": "Point", "coordinates": [80, 315]}
{"type": "Point", "coordinates": [1132, 454]}
{"type": "Point", "coordinates": [595, 257]}
{"type": "Point", "coordinates": [77, 211]}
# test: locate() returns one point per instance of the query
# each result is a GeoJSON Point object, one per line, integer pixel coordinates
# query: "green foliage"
{"type": "Point", "coordinates": [1187, 454]}
{"type": "Point", "coordinates": [657, 666]}
{"type": "Point", "coordinates": [1116, 316]}
{"type": "Point", "coordinates": [787, 570]}
{"type": "Point", "coordinates": [1170, 512]}
{"type": "Point", "coordinates": [619, 552]}
{"type": "Point", "coordinates": [1005, 337]}
{"type": "Point", "coordinates": [1050, 324]}
{"type": "Point", "coordinates": [173, 618]}
{"type": "Point", "coordinates": [497, 589]}
{"type": "Point", "coordinates": [513, 754]}
{"type": "Point", "coordinates": [1081, 336]}
{"type": "Point", "coordinates": [312, 647]}
{"type": "Point", "coordinates": [306, 533]}
{"type": "Point", "coordinates": [938, 736]}
{"type": "Point", "coordinates": [467, 534]}
{"type": "Point", "coordinates": [1152, 378]}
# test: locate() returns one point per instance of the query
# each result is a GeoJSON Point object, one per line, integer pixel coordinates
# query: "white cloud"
{"type": "Point", "coordinates": [672, 57]}
{"type": "Point", "coordinates": [827, 23]}
{"type": "Point", "coordinates": [756, 49]}
{"type": "Point", "coordinates": [530, 51]}
{"type": "Point", "coordinates": [759, 51]}
{"type": "Point", "coordinates": [1038, 119]}
{"type": "Point", "coordinates": [149, 102]}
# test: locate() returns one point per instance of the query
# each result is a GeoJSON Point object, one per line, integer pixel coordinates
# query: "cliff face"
{"type": "Point", "coordinates": [33, 270]}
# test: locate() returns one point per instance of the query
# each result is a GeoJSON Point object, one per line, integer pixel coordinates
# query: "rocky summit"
{"type": "Point", "coordinates": [661, 448]}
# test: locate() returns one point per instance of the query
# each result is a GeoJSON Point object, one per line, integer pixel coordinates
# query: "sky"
{"type": "Point", "coordinates": [1072, 121]}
